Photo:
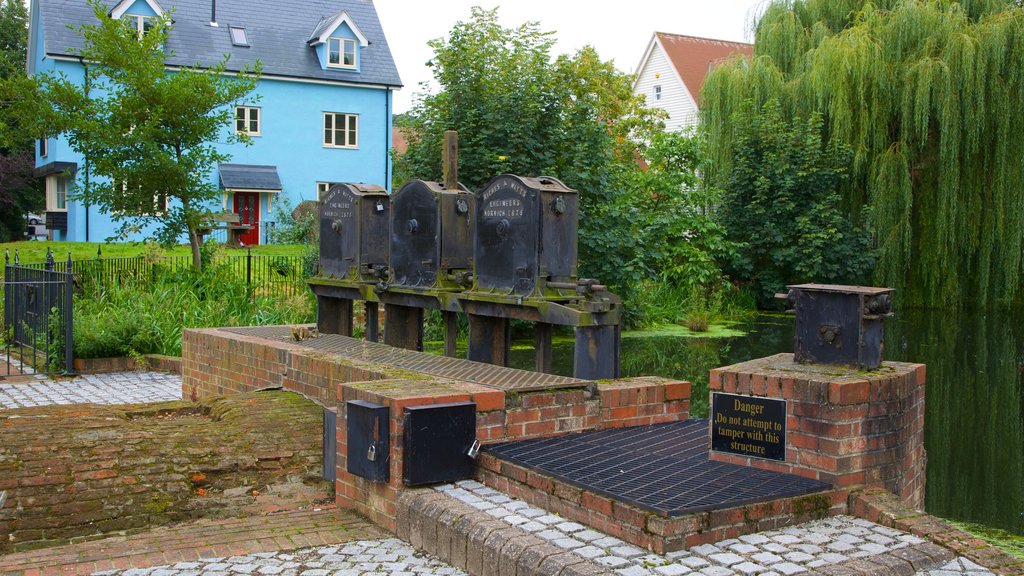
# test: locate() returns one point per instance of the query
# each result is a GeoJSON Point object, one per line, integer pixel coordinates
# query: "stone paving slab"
{"type": "Point", "coordinates": [390, 556]}
{"type": "Point", "coordinates": [112, 388]}
{"type": "Point", "coordinates": [200, 543]}
{"type": "Point", "coordinates": [805, 548]}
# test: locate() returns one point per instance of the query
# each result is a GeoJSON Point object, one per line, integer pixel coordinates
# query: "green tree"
{"type": "Point", "coordinates": [927, 94]}
{"type": "Point", "coordinates": [147, 130]}
{"type": "Point", "coordinates": [519, 111]}
{"type": "Point", "coordinates": [19, 191]}
{"type": "Point", "coordinates": [782, 205]}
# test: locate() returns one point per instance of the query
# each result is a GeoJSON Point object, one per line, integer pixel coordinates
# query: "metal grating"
{"type": "Point", "coordinates": [662, 468]}
{"type": "Point", "coordinates": [441, 366]}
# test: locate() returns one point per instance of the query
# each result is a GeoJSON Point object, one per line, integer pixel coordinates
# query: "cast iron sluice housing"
{"type": "Point", "coordinates": [662, 468]}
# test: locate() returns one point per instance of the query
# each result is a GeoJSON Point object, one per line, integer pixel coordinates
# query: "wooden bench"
{"type": "Point", "coordinates": [229, 221]}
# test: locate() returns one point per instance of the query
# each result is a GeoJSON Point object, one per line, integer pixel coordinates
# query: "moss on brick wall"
{"type": "Point", "coordinates": [85, 470]}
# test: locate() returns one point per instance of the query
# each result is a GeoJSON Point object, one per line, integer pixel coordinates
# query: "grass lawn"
{"type": "Point", "coordinates": [33, 251]}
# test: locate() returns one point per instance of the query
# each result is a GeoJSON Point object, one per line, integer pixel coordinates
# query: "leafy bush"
{"type": "Point", "coordinates": [116, 319]}
{"type": "Point", "coordinates": [782, 205]}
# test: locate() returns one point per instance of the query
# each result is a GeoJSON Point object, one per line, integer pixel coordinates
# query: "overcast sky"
{"type": "Point", "coordinates": [619, 31]}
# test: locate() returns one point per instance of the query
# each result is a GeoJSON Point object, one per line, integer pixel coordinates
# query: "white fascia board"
{"type": "Point", "coordinates": [341, 18]}
{"type": "Point", "coordinates": [66, 58]}
{"type": "Point", "coordinates": [643, 61]}
{"type": "Point", "coordinates": [117, 11]}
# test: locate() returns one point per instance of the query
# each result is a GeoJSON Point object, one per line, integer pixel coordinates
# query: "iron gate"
{"type": "Point", "coordinates": [37, 331]}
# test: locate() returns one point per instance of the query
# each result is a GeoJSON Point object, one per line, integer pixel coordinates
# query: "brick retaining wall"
{"type": "Point", "coordinates": [218, 362]}
{"type": "Point", "coordinates": [77, 471]}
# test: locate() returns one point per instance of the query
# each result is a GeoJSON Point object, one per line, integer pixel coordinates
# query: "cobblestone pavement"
{"type": "Point", "coordinates": [113, 388]}
{"type": "Point", "coordinates": [782, 552]}
{"type": "Point", "coordinates": [391, 557]}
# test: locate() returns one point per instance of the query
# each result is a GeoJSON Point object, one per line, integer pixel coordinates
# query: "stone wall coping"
{"type": "Point", "coordinates": [783, 366]}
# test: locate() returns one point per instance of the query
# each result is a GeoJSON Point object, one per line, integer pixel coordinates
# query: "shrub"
{"type": "Point", "coordinates": [129, 319]}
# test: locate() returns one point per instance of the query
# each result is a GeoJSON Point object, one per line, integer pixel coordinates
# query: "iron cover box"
{"type": "Point", "coordinates": [437, 441]}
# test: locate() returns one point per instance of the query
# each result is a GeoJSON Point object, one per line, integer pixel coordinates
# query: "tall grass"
{"type": "Point", "coordinates": [130, 318]}
{"type": "Point", "coordinates": [661, 303]}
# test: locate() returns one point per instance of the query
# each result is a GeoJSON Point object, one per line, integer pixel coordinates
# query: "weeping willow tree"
{"type": "Point", "coordinates": [929, 94]}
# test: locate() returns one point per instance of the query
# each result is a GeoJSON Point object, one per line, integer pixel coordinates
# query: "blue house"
{"type": "Point", "coordinates": [323, 112]}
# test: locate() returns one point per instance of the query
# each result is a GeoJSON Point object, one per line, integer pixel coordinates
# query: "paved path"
{"type": "Point", "coordinates": [368, 557]}
{"type": "Point", "coordinates": [113, 388]}
{"type": "Point", "coordinates": [200, 544]}
{"type": "Point", "coordinates": [782, 552]}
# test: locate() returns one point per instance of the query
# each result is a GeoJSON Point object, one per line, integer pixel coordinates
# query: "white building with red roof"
{"type": "Point", "coordinates": [672, 71]}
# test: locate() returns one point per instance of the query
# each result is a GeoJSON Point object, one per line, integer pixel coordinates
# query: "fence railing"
{"type": "Point", "coordinates": [38, 330]}
{"type": "Point", "coordinates": [270, 275]}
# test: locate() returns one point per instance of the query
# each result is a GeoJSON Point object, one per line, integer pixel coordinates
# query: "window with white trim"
{"type": "Point", "coordinates": [341, 52]}
{"type": "Point", "coordinates": [141, 24]}
{"type": "Point", "coordinates": [657, 92]}
{"type": "Point", "coordinates": [322, 187]}
{"type": "Point", "coordinates": [341, 130]}
{"type": "Point", "coordinates": [137, 205]}
{"type": "Point", "coordinates": [247, 120]}
{"type": "Point", "coordinates": [57, 193]}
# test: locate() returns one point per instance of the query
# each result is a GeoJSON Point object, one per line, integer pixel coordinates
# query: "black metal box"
{"type": "Point", "coordinates": [525, 234]}
{"type": "Point", "coordinates": [330, 443]}
{"type": "Point", "coordinates": [369, 449]}
{"type": "Point", "coordinates": [840, 324]}
{"type": "Point", "coordinates": [431, 234]}
{"type": "Point", "coordinates": [437, 441]}
{"type": "Point", "coordinates": [354, 223]}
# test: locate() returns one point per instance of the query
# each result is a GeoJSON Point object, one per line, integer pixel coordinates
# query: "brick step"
{"type": "Point", "coordinates": [193, 541]}
{"type": "Point", "coordinates": [484, 545]}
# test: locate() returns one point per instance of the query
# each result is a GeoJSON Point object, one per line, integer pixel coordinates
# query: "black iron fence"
{"type": "Point", "coordinates": [265, 274]}
{"type": "Point", "coordinates": [38, 325]}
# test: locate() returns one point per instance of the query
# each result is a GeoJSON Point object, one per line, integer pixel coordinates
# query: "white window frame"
{"type": "Point", "coordinates": [157, 211]}
{"type": "Point", "coordinates": [343, 48]}
{"type": "Point", "coordinates": [247, 120]}
{"type": "Point", "coordinates": [322, 187]}
{"type": "Point", "coordinates": [657, 92]}
{"type": "Point", "coordinates": [57, 189]}
{"type": "Point", "coordinates": [138, 22]}
{"type": "Point", "coordinates": [330, 134]}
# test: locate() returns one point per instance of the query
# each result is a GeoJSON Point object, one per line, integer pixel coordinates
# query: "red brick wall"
{"type": "Point", "coordinates": [218, 363]}
{"type": "Point", "coordinates": [845, 427]}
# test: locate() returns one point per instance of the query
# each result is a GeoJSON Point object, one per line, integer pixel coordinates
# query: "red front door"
{"type": "Point", "coordinates": [247, 206]}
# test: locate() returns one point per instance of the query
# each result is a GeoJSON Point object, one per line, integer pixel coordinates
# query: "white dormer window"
{"type": "Point", "coordinates": [341, 52]}
{"type": "Point", "coordinates": [141, 24]}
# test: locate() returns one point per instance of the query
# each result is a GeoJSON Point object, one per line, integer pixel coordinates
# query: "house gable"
{"type": "Point", "coordinates": [679, 64]}
{"type": "Point", "coordinates": [657, 74]}
{"type": "Point", "coordinates": [136, 7]}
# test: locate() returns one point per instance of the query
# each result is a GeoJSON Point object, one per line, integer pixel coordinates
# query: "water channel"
{"type": "Point", "coordinates": [975, 397]}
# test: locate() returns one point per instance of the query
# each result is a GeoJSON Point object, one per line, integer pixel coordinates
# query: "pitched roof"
{"type": "Point", "coordinates": [277, 31]}
{"type": "Point", "coordinates": [693, 57]}
{"type": "Point", "coordinates": [248, 177]}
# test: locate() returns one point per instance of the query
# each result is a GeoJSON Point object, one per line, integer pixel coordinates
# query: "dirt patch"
{"type": "Point", "coordinates": [88, 470]}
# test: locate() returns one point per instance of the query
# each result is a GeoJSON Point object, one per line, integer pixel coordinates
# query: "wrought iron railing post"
{"type": "Point", "coordinates": [248, 269]}
{"type": "Point", "coordinates": [69, 317]}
